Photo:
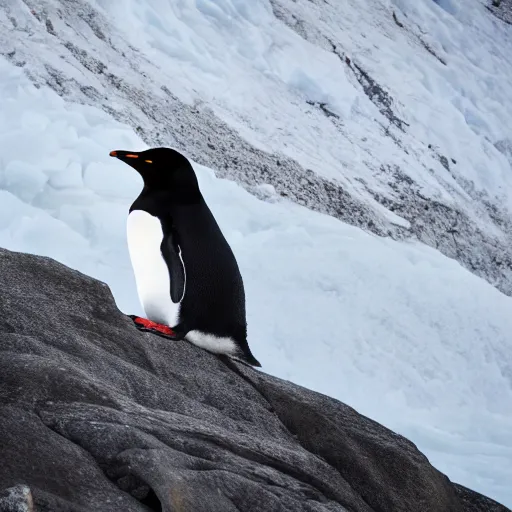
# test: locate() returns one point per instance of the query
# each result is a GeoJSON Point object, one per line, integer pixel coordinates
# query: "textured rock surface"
{"type": "Point", "coordinates": [503, 11]}
{"type": "Point", "coordinates": [16, 499]}
{"type": "Point", "coordinates": [96, 416]}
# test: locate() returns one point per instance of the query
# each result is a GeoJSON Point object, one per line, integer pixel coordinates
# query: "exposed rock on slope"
{"type": "Point", "coordinates": [97, 416]}
{"type": "Point", "coordinates": [502, 9]}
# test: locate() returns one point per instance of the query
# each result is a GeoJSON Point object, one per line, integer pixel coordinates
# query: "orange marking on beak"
{"type": "Point", "coordinates": [113, 153]}
{"type": "Point", "coordinates": [148, 161]}
{"type": "Point", "coordinates": [131, 156]}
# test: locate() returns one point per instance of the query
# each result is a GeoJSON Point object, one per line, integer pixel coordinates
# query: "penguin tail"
{"type": "Point", "coordinates": [248, 359]}
{"type": "Point", "coordinates": [244, 354]}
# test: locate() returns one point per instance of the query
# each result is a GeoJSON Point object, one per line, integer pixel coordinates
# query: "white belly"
{"type": "Point", "coordinates": [151, 273]}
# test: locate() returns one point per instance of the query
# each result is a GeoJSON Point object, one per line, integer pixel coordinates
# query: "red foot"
{"type": "Point", "coordinates": [153, 326]}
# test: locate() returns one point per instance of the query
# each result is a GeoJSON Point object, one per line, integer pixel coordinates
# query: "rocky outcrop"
{"type": "Point", "coordinates": [97, 416]}
{"type": "Point", "coordinates": [501, 9]}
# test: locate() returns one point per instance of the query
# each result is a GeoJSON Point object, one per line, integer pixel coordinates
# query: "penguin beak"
{"type": "Point", "coordinates": [123, 155]}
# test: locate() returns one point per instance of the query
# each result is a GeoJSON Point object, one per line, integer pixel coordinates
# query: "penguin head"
{"type": "Point", "coordinates": [162, 169]}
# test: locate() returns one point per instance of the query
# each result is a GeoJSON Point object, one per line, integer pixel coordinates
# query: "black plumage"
{"type": "Point", "coordinates": [204, 274]}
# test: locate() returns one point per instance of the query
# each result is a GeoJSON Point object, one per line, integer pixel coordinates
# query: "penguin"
{"type": "Point", "coordinates": [187, 277]}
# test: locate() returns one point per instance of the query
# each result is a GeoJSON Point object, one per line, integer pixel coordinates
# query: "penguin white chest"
{"type": "Point", "coordinates": [145, 235]}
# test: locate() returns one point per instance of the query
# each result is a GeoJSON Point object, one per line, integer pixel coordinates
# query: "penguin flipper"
{"type": "Point", "coordinates": [171, 252]}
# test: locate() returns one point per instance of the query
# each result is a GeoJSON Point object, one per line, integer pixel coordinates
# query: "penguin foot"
{"type": "Point", "coordinates": [143, 324]}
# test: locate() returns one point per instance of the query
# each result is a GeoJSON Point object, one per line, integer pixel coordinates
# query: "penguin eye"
{"type": "Point", "coordinates": [148, 161]}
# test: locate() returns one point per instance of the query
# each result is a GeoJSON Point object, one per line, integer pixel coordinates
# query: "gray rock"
{"type": "Point", "coordinates": [96, 416]}
{"type": "Point", "coordinates": [16, 499]}
{"type": "Point", "coordinates": [505, 146]}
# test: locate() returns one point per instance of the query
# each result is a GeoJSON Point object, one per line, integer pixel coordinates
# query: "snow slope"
{"type": "Point", "coordinates": [387, 114]}
{"type": "Point", "coordinates": [395, 329]}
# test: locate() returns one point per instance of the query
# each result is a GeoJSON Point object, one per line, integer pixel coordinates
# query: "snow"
{"type": "Point", "coordinates": [280, 92]}
{"type": "Point", "coordinates": [257, 74]}
{"type": "Point", "coordinates": [395, 329]}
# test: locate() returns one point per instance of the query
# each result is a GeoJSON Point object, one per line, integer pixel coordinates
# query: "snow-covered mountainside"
{"type": "Point", "coordinates": [391, 116]}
